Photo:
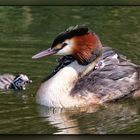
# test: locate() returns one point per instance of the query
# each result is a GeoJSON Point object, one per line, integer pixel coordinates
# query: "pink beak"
{"type": "Point", "coordinates": [47, 52]}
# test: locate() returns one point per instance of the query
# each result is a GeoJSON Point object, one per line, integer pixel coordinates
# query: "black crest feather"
{"type": "Point", "coordinates": [72, 31]}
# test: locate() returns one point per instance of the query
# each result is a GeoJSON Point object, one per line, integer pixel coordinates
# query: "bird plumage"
{"type": "Point", "coordinates": [88, 73]}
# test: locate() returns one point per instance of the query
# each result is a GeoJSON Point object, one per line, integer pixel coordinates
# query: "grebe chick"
{"type": "Point", "coordinates": [88, 73]}
{"type": "Point", "coordinates": [9, 81]}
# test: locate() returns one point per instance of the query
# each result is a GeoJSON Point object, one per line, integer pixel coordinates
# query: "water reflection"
{"type": "Point", "coordinates": [60, 119]}
{"type": "Point", "coordinates": [24, 30]}
{"type": "Point", "coordinates": [27, 13]}
{"type": "Point", "coordinates": [91, 120]}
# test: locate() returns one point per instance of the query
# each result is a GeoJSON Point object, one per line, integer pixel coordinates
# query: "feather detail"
{"type": "Point", "coordinates": [87, 48]}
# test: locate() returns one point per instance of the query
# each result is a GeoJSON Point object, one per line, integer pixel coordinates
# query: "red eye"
{"type": "Point", "coordinates": [64, 44]}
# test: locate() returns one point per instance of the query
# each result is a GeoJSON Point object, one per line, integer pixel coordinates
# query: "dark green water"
{"type": "Point", "coordinates": [24, 31]}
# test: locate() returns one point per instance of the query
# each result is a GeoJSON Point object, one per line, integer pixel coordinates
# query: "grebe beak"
{"type": "Point", "coordinates": [47, 52]}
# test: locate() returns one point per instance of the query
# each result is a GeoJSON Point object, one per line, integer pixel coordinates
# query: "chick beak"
{"type": "Point", "coordinates": [47, 52]}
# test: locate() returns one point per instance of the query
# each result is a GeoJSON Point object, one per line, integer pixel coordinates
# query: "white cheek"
{"type": "Point", "coordinates": [67, 50]}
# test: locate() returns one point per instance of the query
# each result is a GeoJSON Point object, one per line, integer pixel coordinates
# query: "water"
{"type": "Point", "coordinates": [25, 30]}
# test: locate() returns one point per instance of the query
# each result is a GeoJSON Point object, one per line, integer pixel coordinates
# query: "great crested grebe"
{"type": "Point", "coordinates": [18, 82]}
{"type": "Point", "coordinates": [87, 73]}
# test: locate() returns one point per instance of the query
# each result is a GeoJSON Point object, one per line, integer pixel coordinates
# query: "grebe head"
{"type": "Point", "coordinates": [77, 41]}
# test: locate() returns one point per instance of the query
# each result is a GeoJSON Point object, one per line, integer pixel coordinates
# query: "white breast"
{"type": "Point", "coordinates": [55, 92]}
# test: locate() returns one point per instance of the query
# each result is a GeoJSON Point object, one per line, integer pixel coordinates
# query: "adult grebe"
{"type": "Point", "coordinates": [88, 73]}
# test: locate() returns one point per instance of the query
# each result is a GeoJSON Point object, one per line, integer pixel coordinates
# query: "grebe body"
{"type": "Point", "coordinates": [91, 74]}
{"type": "Point", "coordinates": [10, 81]}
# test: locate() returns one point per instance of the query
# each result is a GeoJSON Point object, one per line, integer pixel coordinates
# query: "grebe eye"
{"type": "Point", "coordinates": [64, 44]}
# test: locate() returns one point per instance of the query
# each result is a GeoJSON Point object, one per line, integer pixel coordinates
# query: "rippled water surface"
{"type": "Point", "coordinates": [25, 30]}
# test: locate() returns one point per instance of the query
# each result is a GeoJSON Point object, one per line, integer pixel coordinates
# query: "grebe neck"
{"type": "Point", "coordinates": [55, 92]}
